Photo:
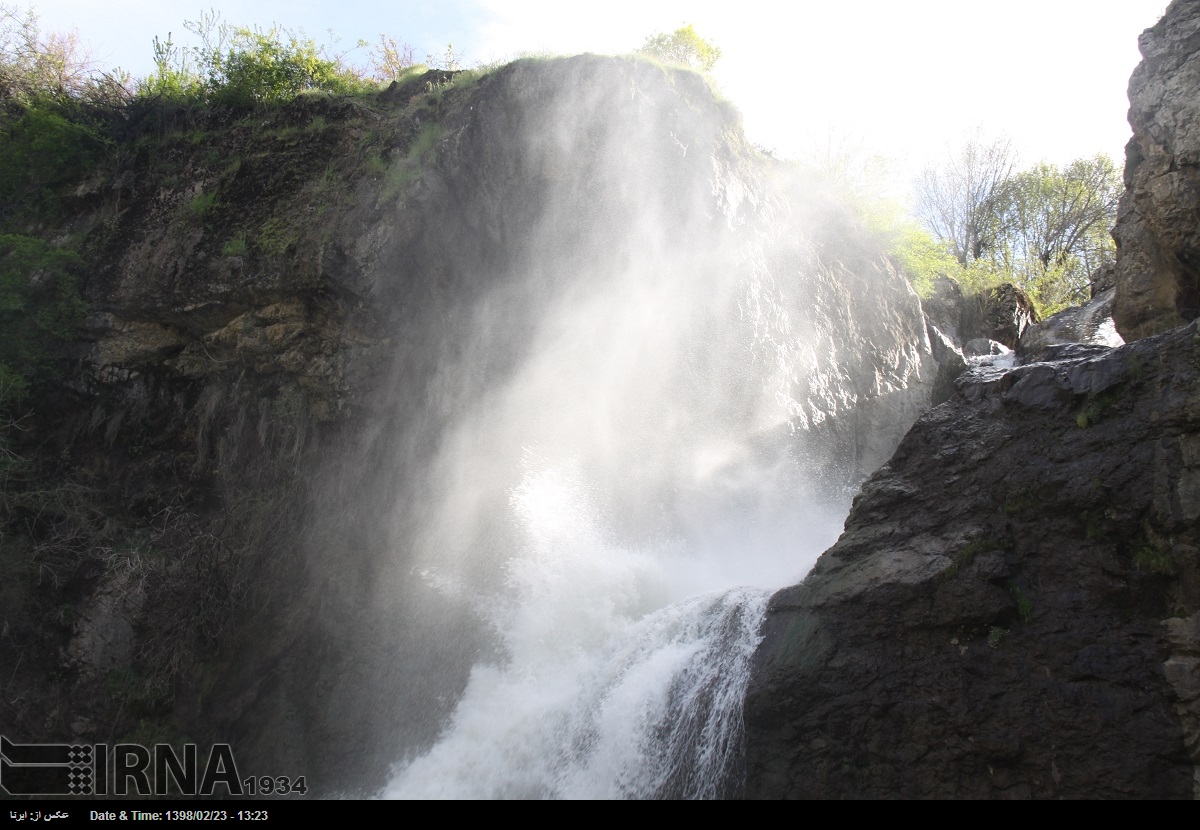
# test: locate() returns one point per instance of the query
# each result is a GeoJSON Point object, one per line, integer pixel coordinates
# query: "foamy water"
{"type": "Point", "coordinates": [623, 670]}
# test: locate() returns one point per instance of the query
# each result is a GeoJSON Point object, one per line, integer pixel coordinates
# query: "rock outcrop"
{"type": "Point", "coordinates": [1089, 324]}
{"type": "Point", "coordinates": [1008, 611]}
{"type": "Point", "coordinates": [1158, 239]}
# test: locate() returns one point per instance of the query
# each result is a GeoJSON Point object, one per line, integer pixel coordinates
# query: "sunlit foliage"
{"type": "Point", "coordinates": [36, 66]}
{"type": "Point", "coordinates": [1045, 229]}
{"type": "Point", "coordinates": [1053, 228]}
{"type": "Point", "coordinates": [240, 66]}
{"type": "Point", "coordinates": [683, 47]}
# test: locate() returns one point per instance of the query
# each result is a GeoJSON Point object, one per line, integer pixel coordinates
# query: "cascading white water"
{"type": "Point", "coordinates": [625, 572]}
{"type": "Point", "coordinates": [623, 670]}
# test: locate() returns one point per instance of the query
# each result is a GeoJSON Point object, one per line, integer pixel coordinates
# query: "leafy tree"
{"type": "Point", "coordinates": [41, 148]}
{"type": "Point", "coordinates": [449, 60]}
{"type": "Point", "coordinates": [390, 60]}
{"type": "Point", "coordinates": [36, 67]}
{"type": "Point", "coordinates": [1045, 229]}
{"type": "Point", "coordinates": [684, 47]}
{"type": "Point", "coordinates": [958, 200]}
{"type": "Point", "coordinates": [1054, 228]}
{"type": "Point", "coordinates": [31, 65]}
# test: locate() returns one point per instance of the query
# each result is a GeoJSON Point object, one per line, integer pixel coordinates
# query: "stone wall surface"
{"type": "Point", "coordinates": [1158, 238]}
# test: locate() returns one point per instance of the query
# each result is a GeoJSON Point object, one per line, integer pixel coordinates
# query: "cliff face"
{"type": "Point", "coordinates": [1158, 247]}
{"type": "Point", "coordinates": [1014, 607]}
{"type": "Point", "coordinates": [301, 318]}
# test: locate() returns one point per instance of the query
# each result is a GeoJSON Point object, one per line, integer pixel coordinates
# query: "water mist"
{"type": "Point", "coordinates": [604, 475]}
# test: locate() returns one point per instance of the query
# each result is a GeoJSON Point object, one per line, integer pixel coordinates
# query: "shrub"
{"type": "Point", "coordinates": [271, 67]}
{"type": "Point", "coordinates": [40, 149]}
{"type": "Point", "coordinates": [683, 47]}
{"type": "Point", "coordinates": [1151, 558]}
{"type": "Point", "coordinates": [243, 67]}
{"type": "Point", "coordinates": [202, 204]}
{"type": "Point", "coordinates": [40, 306]}
{"type": "Point", "coordinates": [235, 246]}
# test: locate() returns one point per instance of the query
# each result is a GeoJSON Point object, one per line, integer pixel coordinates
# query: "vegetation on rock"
{"type": "Point", "coordinates": [682, 47]}
{"type": "Point", "coordinates": [1045, 230]}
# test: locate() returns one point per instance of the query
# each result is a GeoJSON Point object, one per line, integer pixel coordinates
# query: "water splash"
{"type": "Point", "coordinates": [621, 675]}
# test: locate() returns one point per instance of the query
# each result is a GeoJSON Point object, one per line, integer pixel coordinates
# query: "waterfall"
{"type": "Point", "coordinates": [616, 512]}
{"type": "Point", "coordinates": [621, 395]}
{"type": "Point", "coordinates": [622, 669]}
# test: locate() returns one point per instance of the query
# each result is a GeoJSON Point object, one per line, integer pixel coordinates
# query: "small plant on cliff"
{"type": "Point", "coordinates": [40, 306]}
{"type": "Point", "coordinates": [1153, 559]}
{"type": "Point", "coordinates": [968, 553]}
{"type": "Point", "coordinates": [683, 47]}
{"type": "Point", "coordinates": [403, 172]}
{"type": "Point", "coordinates": [996, 636]}
{"type": "Point", "coordinates": [1024, 604]}
{"type": "Point", "coordinates": [235, 246]}
{"type": "Point", "coordinates": [202, 204]}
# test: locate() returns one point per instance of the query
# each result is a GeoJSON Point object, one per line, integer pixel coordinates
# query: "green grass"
{"type": "Point", "coordinates": [274, 237]}
{"type": "Point", "coordinates": [202, 204]}
{"type": "Point", "coordinates": [424, 143]}
{"type": "Point", "coordinates": [1155, 560]}
{"type": "Point", "coordinates": [326, 181]}
{"type": "Point", "coordinates": [1024, 604]}
{"type": "Point", "coordinates": [967, 555]}
{"type": "Point", "coordinates": [401, 174]}
{"type": "Point", "coordinates": [374, 166]}
{"type": "Point", "coordinates": [235, 246]}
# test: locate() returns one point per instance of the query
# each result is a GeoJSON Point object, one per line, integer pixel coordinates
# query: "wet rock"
{"type": "Point", "coordinates": [1089, 324]}
{"type": "Point", "coordinates": [980, 346]}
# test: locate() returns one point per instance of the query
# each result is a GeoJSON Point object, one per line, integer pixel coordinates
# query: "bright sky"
{"type": "Point", "coordinates": [904, 79]}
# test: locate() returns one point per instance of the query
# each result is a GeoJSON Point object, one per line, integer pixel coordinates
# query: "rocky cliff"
{"type": "Point", "coordinates": [1158, 267]}
{"type": "Point", "coordinates": [1011, 611]}
{"type": "Point", "coordinates": [300, 316]}
{"type": "Point", "coordinates": [1014, 607]}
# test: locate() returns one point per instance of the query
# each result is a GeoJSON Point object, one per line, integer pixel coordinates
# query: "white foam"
{"type": "Point", "coordinates": [617, 680]}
